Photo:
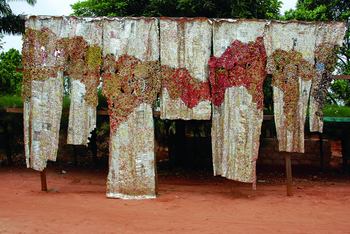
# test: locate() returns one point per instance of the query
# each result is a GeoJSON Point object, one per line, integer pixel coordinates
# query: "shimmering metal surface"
{"type": "Point", "coordinates": [82, 116]}
{"type": "Point", "coordinates": [82, 113]}
{"type": "Point", "coordinates": [43, 103]}
{"type": "Point", "coordinates": [332, 34]}
{"type": "Point", "coordinates": [131, 162]}
{"type": "Point", "coordinates": [235, 135]}
{"type": "Point", "coordinates": [43, 124]}
{"type": "Point", "coordinates": [236, 123]}
{"type": "Point", "coordinates": [299, 37]}
{"type": "Point", "coordinates": [185, 43]}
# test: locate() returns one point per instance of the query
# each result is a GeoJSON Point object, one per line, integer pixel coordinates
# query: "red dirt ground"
{"type": "Point", "coordinates": [76, 203]}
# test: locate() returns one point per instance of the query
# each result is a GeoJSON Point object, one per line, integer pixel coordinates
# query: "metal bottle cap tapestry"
{"type": "Point", "coordinates": [199, 68]}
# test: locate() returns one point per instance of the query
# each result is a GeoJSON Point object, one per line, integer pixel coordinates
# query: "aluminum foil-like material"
{"type": "Point", "coordinates": [82, 114]}
{"type": "Point", "coordinates": [138, 37]}
{"type": "Point", "coordinates": [45, 115]}
{"type": "Point", "coordinates": [300, 37]}
{"type": "Point", "coordinates": [235, 136]}
{"type": "Point", "coordinates": [185, 43]}
{"type": "Point", "coordinates": [236, 123]}
{"type": "Point", "coordinates": [332, 34]}
{"type": "Point", "coordinates": [43, 107]}
{"type": "Point", "coordinates": [131, 161]}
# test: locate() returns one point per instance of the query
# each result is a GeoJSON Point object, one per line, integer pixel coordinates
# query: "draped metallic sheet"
{"type": "Point", "coordinates": [82, 114]}
{"type": "Point", "coordinates": [236, 123]}
{"type": "Point", "coordinates": [333, 34]}
{"type": "Point", "coordinates": [288, 36]}
{"type": "Point", "coordinates": [131, 162]}
{"type": "Point", "coordinates": [43, 108]}
{"type": "Point", "coordinates": [185, 43]}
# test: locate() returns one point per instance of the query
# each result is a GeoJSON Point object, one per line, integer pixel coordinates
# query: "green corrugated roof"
{"type": "Point", "coordinates": [336, 119]}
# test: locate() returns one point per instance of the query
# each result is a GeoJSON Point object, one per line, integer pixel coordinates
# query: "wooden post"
{"type": "Point", "coordinates": [321, 151]}
{"type": "Point", "coordinates": [43, 180]}
{"type": "Point", "coordinates": [289, 174]}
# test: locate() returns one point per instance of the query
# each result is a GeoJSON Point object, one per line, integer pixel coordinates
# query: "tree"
{"type": "Point", "coordinates": [10, 77]}
{"type": "Point", "coordinates": [325, 10]}
{"type": "Point", "coordinates": [262, 9]}
{"type": "Point", "coordinates": [10, 23]}
{"type": "Point", "coordinates": [321, 10]}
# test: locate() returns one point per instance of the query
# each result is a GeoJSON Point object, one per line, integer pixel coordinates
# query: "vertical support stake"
{"type": "Point", "coordinates": [43, 180]}
{"type": "Point", "coordinates": [289, 174]}
{"type": "Point", "coordinates": [321, 151]}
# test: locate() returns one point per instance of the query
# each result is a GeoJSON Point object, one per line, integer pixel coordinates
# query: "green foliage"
{"type": "Point", "coordinates": [10, 23]}
{"type": "Point", "coordinates": [10, 78]}
{"type": "Point", "coordinates": [268, 96]}
{"type": "Point", "coordinates": [336, 111]}
{"type": "Point", "coordinates": [175, 8]}
{"type": "Point", "coordinates": [339, 92]}
{"type": "Point", "coordinates": [321, 10]}
{"type": "Point", "coordinates": [10, 101]}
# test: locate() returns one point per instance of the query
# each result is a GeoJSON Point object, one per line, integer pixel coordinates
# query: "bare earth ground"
{"type": "Point", "coordinates": [186, 204]}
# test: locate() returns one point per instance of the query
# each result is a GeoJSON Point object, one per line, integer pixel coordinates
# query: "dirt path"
{"type": "Point", "coordinates": [76, 204]}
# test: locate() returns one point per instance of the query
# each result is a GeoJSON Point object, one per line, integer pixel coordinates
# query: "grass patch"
{"type": "Point", "coordinates": [336, 111]}
{"type": "Point", "coordinates": [11, 101]}
{"type": "Point", "coordinates": [17, 102]}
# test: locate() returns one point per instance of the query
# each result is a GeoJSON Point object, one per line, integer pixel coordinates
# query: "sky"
{"type": "Point", "coordinates": [62, 7]}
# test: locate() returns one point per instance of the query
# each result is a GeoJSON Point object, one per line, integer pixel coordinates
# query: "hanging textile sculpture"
{"type": "Point", "coordinates": [290, 47]}
{"type": "Point", "coordinates": [185, 46]}
{"type": "Point", "coordinates": [236, 77]}
{"type": "Point", "coordinates": [131, 83]}
{"type": "Point", "coordinates": [83, 67]}
{"type": "Point", "coordinates": [43, 66]}
{"type": "Point", "coordinates": [328, 37]}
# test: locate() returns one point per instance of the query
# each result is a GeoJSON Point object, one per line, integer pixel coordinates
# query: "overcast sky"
{"type": "Point", "coordinates": [62, 7]}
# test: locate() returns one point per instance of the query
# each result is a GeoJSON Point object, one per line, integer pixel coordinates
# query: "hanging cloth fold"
{"type": "Point", "coordinates": [290, 47]}
{"type": "Point", "coordinates": [185, 46]}
{"type": "Point", "coordinates": [84, 60]}
{"type": "Point", "coordinates": [329, 36]}
{"type": "Point", "coordinates": [43, 66]}
{"type": "Point", "coordinates": [236, 77]}
{"type": "Point", "coordinates": [131, 84]}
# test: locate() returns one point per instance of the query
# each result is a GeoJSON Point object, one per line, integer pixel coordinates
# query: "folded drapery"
{"type": "Point", "coordinates": [42, 90]}
{"type": "Point", "coordinates": [131, 84]}
{"type": "Point", "coordinates": [290, 47]}
{"type": "Point", "coordinates": [236, 78]}
{"type": "Point", "coordinates": [84, 60]}
{"type": "Point", "coordinates": [185, 47]}
{"type": "Point", "coordinates": [328, 38]}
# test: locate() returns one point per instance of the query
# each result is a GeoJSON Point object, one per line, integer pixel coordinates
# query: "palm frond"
{"type": "Point", "coordinates": [12, 24]}
{"type": "Point", "coordinates": [5, 8]}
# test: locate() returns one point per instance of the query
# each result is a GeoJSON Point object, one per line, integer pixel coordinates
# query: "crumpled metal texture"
{"type": "Point", "coordinates": [131, 162]}
{"type": "Point", "coordinates": [300, 37]}
{"type": "Point", "coordinates": [82, 114]}
{"type": "Point", "coordinates": [331, 35]}
{"type": "Point", "coordinates": [236, 123]}
{"type": "Point", "coordinates": [43, 104]}
{"type": "Point", "coordinates": [185, 43]}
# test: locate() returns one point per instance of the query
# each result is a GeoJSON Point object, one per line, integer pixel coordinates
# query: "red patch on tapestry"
{"type": "Point", "coordinates": [242, 64]}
